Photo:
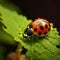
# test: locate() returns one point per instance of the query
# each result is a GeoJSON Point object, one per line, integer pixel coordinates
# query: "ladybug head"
{"type": "Point", "coordinates": [27, 33]}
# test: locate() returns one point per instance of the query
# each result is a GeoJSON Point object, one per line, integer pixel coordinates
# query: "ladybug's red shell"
{"type": "Point", "coordinates": [40, 27]}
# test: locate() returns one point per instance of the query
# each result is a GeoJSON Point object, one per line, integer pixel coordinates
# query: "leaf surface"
{"type": "Point", "coordinates": [12, 26]}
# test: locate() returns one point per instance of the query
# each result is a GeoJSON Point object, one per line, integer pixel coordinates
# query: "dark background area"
{"type": "Point", "coordinates": [49, 9]}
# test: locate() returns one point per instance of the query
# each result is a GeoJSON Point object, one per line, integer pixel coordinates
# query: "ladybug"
{"type": "Point", "coordinates": [39, 27]}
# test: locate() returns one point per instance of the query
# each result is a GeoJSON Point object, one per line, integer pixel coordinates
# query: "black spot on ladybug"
{"type": "Point", "coordinates": [39, 33]}
{"type": "Point", "coordinates": [35, 29]}
{"type": "Point", "coordinates": [45, 33]}
{"type": "Point", "coordinates": [41, 27]}
{"type": "Point", "coordinates": [49, 29]}
{"type": "Point", "coordinates": [46, 26]}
